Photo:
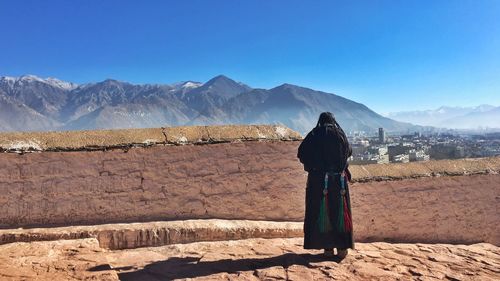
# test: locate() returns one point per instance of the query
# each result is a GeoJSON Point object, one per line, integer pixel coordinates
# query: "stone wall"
{"type": "Point", "coordinates": [232, 172]}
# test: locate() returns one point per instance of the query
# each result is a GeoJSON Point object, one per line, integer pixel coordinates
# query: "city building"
{"type": "Point", "coordinates": [381, 135]}
{"type": "Point", "coordinates": [401, 158]}
{"type": "Point", "coordinates": [368, 149]}
{"type": "Point", "coordinates": [398, 149]}
{"type": "Point", "coordinates": [418, 155]}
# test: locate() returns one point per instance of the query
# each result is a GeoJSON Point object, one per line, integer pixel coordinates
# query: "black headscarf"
{"type": "Point", "coordinates": [321, 141]}
{"type": "Point", "coordinates": [325, 118]}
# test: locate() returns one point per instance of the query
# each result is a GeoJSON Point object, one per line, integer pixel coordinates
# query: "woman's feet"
{"type": "Point", "coordinates": [341, 253]}
{"type": "Point", "coordinates": [329, 253]}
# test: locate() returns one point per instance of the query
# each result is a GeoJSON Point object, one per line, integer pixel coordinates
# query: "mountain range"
{"type": "Point", "coordinates": [30, 103]}
{"type": "Point", "coordinates": [474, 117]}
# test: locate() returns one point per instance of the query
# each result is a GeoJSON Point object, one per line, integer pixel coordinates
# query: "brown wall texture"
{"type": "Point", "coordinates": [257, 180]}
{"type": "Point", "coordinates": [437, 201]}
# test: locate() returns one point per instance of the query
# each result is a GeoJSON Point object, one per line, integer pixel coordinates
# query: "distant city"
{"type": "Point", "coordinates": [379, 147]}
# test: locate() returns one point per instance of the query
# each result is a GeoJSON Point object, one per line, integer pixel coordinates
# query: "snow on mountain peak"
{"type": "Point", "coordinates": [61, 84]}
{"type": "Point", "coordinates": [484, 107]}
{"type": "Point", "coordinates": [185, 85]}
{"type": "Point", "coordinates": [8, 79]}
{"type": "Point", "coordinates": [30, 78]}
{"type": "Point", "coordinates": [441, 110]}
{"type": "Point", "coordinates": [33, 78]}
{"type": "Point", "coordinates": [191, 85]}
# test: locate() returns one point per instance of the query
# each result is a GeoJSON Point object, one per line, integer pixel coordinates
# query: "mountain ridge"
{"type": "Point", "coordinates": [455, 117]}
{"type": "Point", "coordinates": [113, 104]}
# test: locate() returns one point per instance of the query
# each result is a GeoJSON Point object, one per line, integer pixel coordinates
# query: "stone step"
{"type": "Point", "coordinates": [149, 234]}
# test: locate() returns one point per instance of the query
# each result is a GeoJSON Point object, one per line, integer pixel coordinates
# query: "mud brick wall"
{"type": "Point", "coordinates": [254, 174]}
{"type": "Point", "coordinates": [97, 177]}
{"type": "Point", "coordinates": [228, 180]}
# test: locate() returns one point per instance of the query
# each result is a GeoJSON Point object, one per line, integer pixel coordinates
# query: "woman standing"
{"type": "Point", "coordinates": [328, 221]}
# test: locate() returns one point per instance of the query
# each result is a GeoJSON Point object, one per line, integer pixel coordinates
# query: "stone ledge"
{"type": "Point", "coordinates": [127, 138]}
{"type": "Point", "coordinates": [135, 235]}
{"type": "Point", "coordinates": [433, 168]}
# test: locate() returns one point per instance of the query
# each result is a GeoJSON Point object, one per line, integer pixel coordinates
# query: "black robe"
{"type": "Point", "coordinates": [324, 150]}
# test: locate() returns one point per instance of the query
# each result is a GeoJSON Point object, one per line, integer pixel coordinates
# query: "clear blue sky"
{"type": "Point", "coordinates": [390, 55]}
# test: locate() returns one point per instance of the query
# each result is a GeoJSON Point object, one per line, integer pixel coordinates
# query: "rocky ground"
{"type": "Point", "coordinates": [251, 259]}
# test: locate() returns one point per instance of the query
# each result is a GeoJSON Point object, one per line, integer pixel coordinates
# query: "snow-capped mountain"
{"type": "Point", "coordinates": [11, 81]}
{"type": "Point", "coordinates": [474, 117]}
{"type": "Point", "coordinates": [32, 103]}
{"type": "Point", "coordinates": [187, 85]}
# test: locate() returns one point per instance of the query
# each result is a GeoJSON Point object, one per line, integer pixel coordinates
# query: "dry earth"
{"type": "Point", "coordinates": [252, 259]}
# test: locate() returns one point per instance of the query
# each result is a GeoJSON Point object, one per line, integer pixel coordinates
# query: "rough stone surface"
{"type": "Point", "coordinates": [55, 260]}
{"type": "Point", "coordinates": [109, 139]}
{"type": "Point", "coordinates": [134, 235]}
{"type": "Point", "coordinates": [252, 259]}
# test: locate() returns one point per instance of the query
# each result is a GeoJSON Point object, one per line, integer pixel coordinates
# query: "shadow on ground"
{"type": "Point", "coordinates": [192, 267]}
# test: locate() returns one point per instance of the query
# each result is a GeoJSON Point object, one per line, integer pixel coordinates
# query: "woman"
{"type": "Point", "coordinates": [324, 153]}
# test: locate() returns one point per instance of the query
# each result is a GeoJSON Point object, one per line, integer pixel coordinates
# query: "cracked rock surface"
{"type": "Point", "coordinates": [251, 259]}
